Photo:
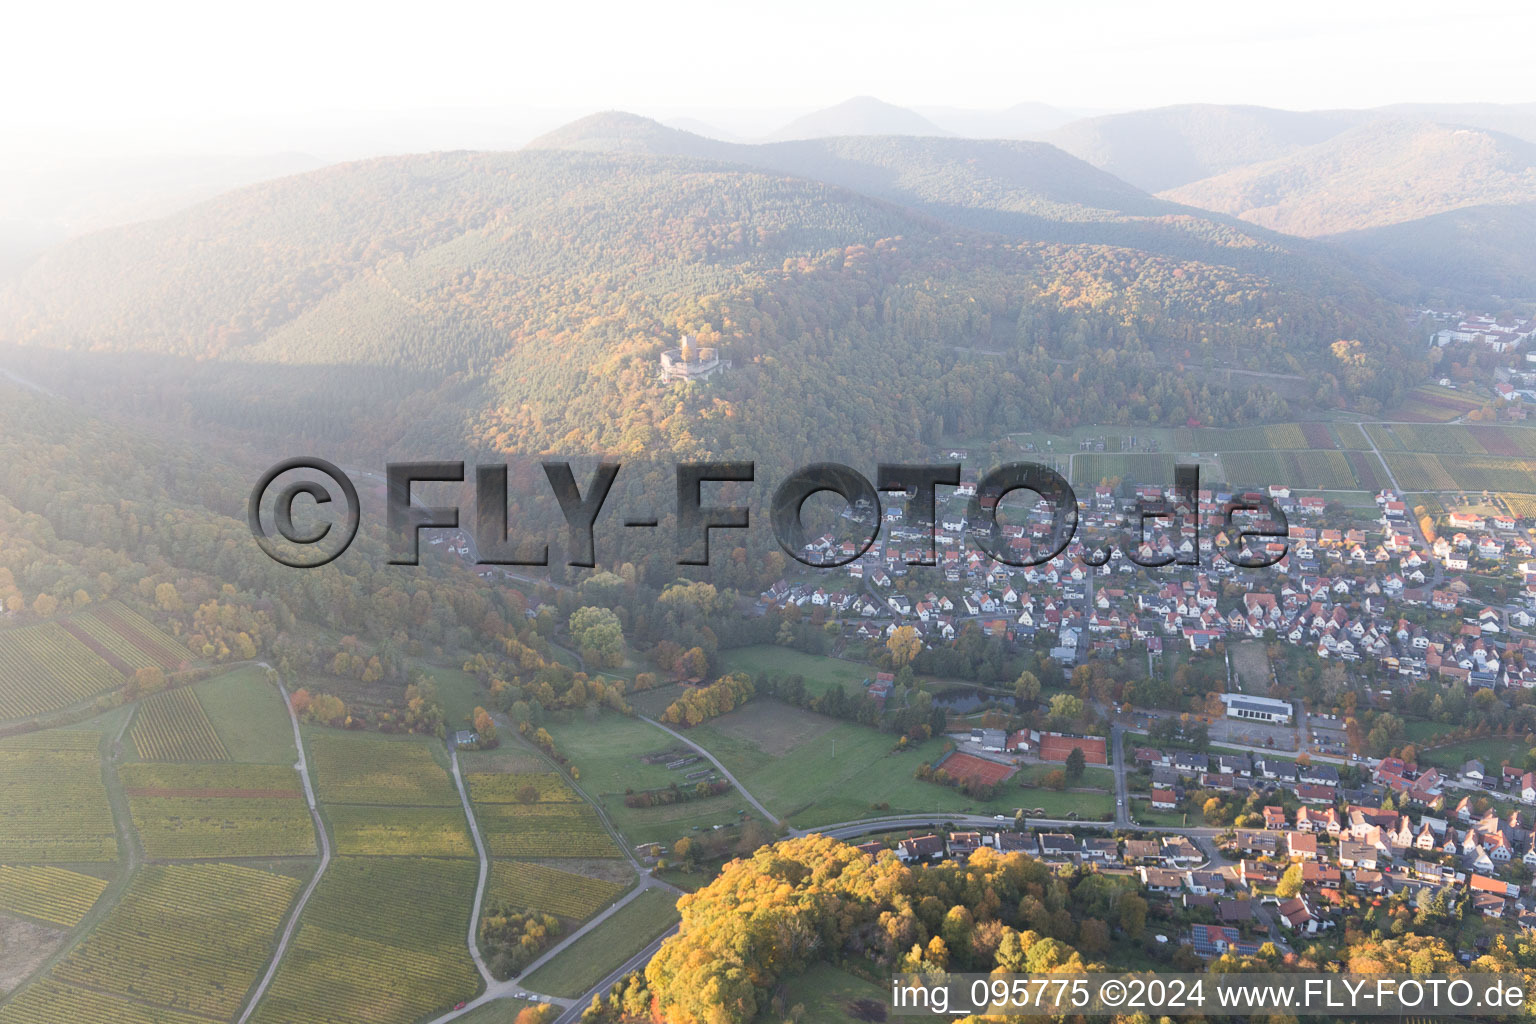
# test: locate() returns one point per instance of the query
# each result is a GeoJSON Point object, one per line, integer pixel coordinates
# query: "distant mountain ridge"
{"type": "Point", "coordinates": [875, 163]}
{"type": "Point", "coordinates": [862, 115]}
{"type": "Point", "coordinates": [1025, 189]}
{"type": "Point", "coordinates": [1373, 175]}
{"type": "Point", "coordinates": [1171, 146]}
{"type": "Point", "coordinates": [1020, 121]}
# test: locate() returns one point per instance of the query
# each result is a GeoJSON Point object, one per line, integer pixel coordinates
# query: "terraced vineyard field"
{"type": "Point", "coordinates": [1308, 470]}
{"type": "Point", "coordinates": [1274, 436]}
{"type": "Point", "coordinates": [1498, 439]}
{"type": "Point", "coordinates": [191, 938]}
{"type": "Point", "coordinates": [53, 803]}
{"type": "Point", "coordinates": [1429, 472]}
{"type": "Point", "coordinates": [550, 890]}
{"type": "Point", "coordinates": [185, 812]}
{"type": "Point", "coordinates": [44, 668]}
{"type": "Point", "coordinates": [381, 942]}
{"type": "Point", "coordinates": [49, 894]}
{"type": "Point", "coordinates": [503, 759]}
{"type": "Point", "coordinates": [1433, 404]}
{"type": "Point", "coordinates": [1442, 440]}
{"type": "Point", "coordinates": [172, 726]}
{"type": "Point", "coordinates": [1089, 469]}
{"type": "Point", "coordinates": [374, 830]}
{"type": "Point", "coordinates": [1370, 474]}
{"type": "Point", "coordinates": [1350, 435]}
{"type": "Point", "coordinates": [111, 644]}
{"type": "Point", "coordinates": [544, 830]}
{"type": "Point", "coordinates": [353, 769]}
{"type": "Point", "coordinates": [48, 1002]}
{"type": "Point", "coordinates": [516, 787]}
{"type": "Point", "coordinates": [1456, 439]}
{"type": "Point", "coordinates": [145, 638]}
{"type": "Point", "coordinates": [1415, 472]}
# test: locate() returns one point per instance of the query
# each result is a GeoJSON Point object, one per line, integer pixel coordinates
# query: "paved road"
{"type": "Point", "coordinates": [1122, 791]}
{"type": "Point", "coordinates": [485, 869]}
{"type": "Point", "coordinates": [768, 815]}
{"type": "Point", "coordinates": [325, 857]}
{"type": "Point", "coordinates": [897, 823]}
{"type": "Point", "coordinates": [634, 963]}
{"type": "Point", "coordinates": [515, 989]}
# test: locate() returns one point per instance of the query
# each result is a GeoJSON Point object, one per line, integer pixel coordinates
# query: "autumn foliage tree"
{"type": "Point", "coordinates": [485, 728]}
{"type": "Point", "coordinates": [904, 645]}
{"type": "Point", "coordinates": [705, 702]}
{"type": "Point", "coordinates": [774, 914]}
{"type": "Point", "coordinates": [145, 681]}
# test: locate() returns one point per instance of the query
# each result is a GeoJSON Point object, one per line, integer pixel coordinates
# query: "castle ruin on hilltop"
{"type": "Point", "coordinates": [690, 362]}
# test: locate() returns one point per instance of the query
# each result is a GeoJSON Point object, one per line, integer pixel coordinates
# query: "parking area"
{"type": "Point", "coordinates": [1326, 735]}
{"type": "Point", "coordinates": [1253, 734]}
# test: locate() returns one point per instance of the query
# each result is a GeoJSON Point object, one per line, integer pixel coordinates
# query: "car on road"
{"type": "Point", "coordinates": [999, 817]}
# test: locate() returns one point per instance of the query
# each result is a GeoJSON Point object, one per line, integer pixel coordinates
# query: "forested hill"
{"type": "Point", "coordinates": [1028, 190]}
{"type": "Point", "coordinates": [521, 300]}
{"type": "Point", "coordinates": [1377, 174]}
{"type": "Point", "coordinates": [907, 166]}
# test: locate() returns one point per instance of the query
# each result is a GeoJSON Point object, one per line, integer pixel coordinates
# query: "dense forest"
{"type": "Point", "coordinates": [517, 303]}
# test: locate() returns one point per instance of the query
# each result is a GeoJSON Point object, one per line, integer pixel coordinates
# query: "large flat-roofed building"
{"type": "Point", "coordinates": [1257, 709]}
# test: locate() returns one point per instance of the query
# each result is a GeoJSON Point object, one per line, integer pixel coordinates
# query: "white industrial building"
{"type": "Point", "coordinates": [1257, 709]}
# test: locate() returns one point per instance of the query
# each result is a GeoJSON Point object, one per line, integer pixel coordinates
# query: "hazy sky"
{"type": "Point", "coordinates": [68, 65]}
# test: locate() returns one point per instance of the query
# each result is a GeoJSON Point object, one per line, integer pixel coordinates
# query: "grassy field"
{"type": "Point", "coordinates": [830, 996]}
{"type": "Point", "coordinates": [820, 673]}
{"type": "Point", "coordinates": [611, 751]}
{"type": "Point", "coordinates": [248, 714]}
{"type": "Point", "coordinates": [1425, 733]}
{"type": "Point", "coordinates": [190, 938]}
{"type": "Point", "coordinates": [605, 948]}
{"type": "Point", "coordinates": [381, 941]}
{"type": "Point", "coordinates": [814, 773]}
{"type": "Point", "coordinates": [1492, 752]}
{"type": "Point", "coordinates": [1093, 777]}
{"type": "Point", "coordinates": [1142, 812]}
{"type": "Point", "coordinates": [460, 693]}
{"type": "Point", "coordinates": [502, 1011]}
{"type": "Point", "coordinates": [53, 802]}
